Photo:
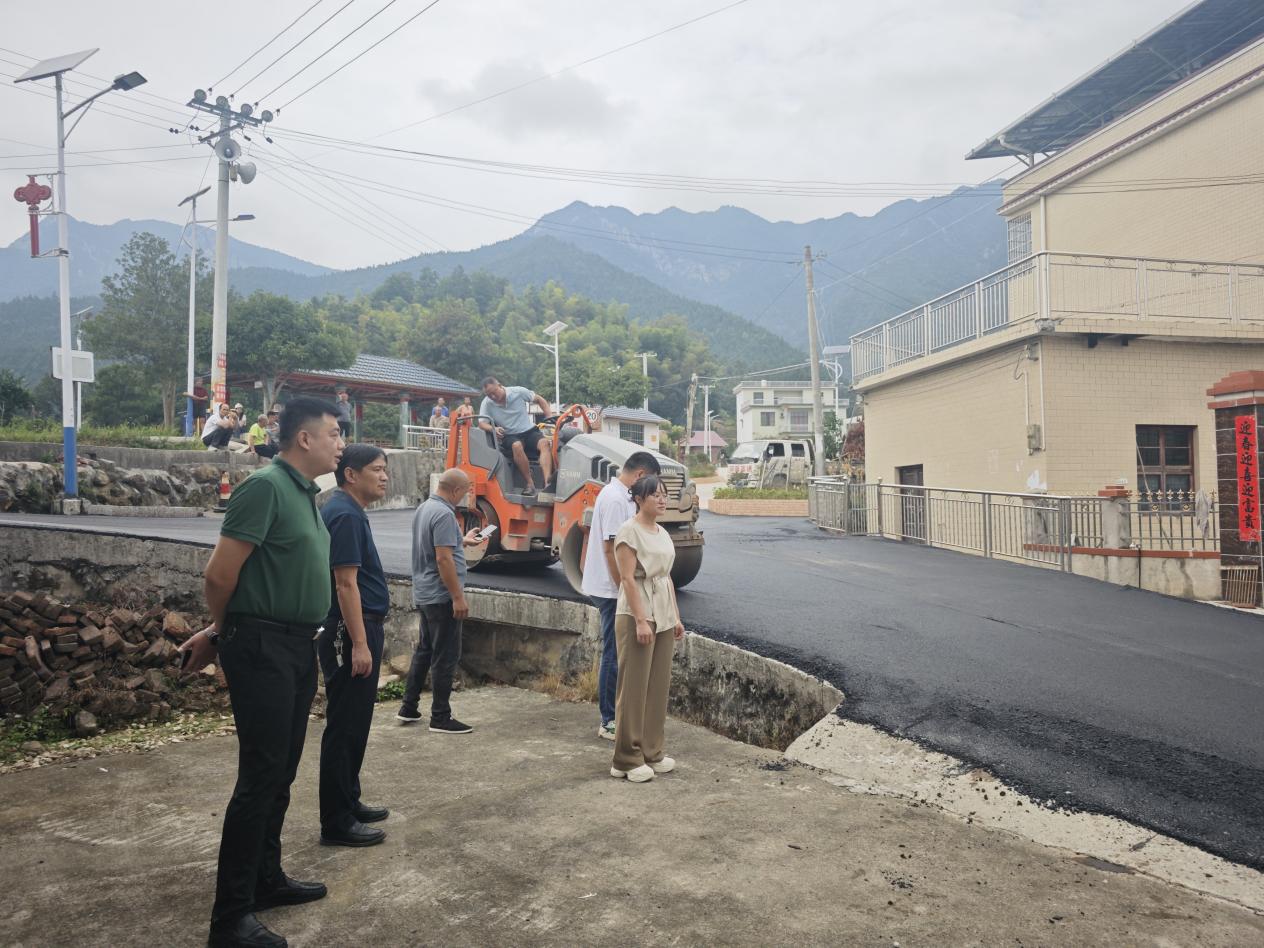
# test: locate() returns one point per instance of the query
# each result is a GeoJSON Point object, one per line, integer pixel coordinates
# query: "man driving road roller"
{"type": "Point", "coordinates": [506, 411]}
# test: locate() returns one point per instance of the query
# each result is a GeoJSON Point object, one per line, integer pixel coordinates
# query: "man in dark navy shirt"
{"type": "Point", "coordinates": [350, 647]}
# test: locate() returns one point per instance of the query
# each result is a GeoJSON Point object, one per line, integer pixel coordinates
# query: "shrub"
{"type": "Point", "coordinates": [742, 493]}
{"type": "Point", "coordinates": [48, 431]}
{"type": "Point", "coordinates": [699, 466]}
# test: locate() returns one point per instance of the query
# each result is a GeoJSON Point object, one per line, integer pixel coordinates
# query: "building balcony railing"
{"type": "Point", "coordinates": [1046, 288]}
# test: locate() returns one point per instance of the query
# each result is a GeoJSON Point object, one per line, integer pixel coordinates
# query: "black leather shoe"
{"type": "Point", "coordinates": [246, 932]}
{"type": "Point", "coordinates": [290, 892]}
{"type": "Point", "coordinates": [357, 834]}
{"type": "Point", "coordinates": [367, 813]}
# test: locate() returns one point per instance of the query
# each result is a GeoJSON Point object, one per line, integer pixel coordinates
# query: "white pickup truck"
{"type": "Point", "coordinates": [771, 464]}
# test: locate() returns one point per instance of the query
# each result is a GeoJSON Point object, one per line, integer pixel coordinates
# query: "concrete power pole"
{"type": "Point", "coordinates": [818, 413]}
{"type": "Point", "coordinates": [230, 169]}
{"type": "Point", "coordinates": [645, 371]}
{"type": "Point", "coordinates": [693, 394]}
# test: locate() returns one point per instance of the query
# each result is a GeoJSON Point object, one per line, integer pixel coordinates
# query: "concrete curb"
{"type": "Point", "coordinates": [110, 510]}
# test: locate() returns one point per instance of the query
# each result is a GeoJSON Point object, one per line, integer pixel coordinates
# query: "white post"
{"type": "Point", "coordinates": [219, 318]}
{"type": "Point", "coordinates": [818, 414]}
{"type": "Point", "coordinates": [557, 374]}
{"type": "Point", "coordinates": [706, 420]}
{"type": "Point", "coordinates": [69, 447]}
{"type": "Point", "coordinates": [188, 411]}
{"type": "Point", "coordinates": [79, 385]}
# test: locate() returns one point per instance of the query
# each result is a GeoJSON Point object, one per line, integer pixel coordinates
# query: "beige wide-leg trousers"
{"type": "Point", "coordinates": [640, 704]}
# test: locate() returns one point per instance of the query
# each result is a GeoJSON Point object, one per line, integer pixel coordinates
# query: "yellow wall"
{"type": "Point", "coordinates": [965, 422]}
{"type": "Point", "coordinates": [1097, 397]}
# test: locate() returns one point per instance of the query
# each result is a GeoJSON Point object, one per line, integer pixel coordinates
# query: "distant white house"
{"type": "Point", "coordinates": [776, 409]}
{"type": "Point", "coordinates": [633, 424]}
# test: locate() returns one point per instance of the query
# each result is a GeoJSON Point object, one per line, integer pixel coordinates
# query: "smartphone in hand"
{"type": "Point", "coordinates": [486, 532]}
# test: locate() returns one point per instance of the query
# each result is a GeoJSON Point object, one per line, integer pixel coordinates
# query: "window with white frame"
{"type": "Point", "coordinates": [800, 419]}
{"type": "Point", "coordinates": [1019, 237]}
{"type": "Point", "coordinates": [757, 398]}
{"type": "Point", "coordinates": [767, 419]}
{"type": "Point", "coordinates": [631, 431]}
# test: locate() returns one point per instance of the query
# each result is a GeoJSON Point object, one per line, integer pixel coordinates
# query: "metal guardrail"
{"type": "Point", "coordinates": [1057, 286]}
{"type": "Point", "coordinates": [1040, 529]}
{"type": "Point", "coordinates": [420, 438]}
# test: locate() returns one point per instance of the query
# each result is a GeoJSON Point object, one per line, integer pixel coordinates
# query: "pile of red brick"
{"type": "Point", "coordinates": [110, 662]}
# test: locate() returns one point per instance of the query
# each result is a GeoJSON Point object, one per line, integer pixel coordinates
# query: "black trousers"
{"type": "Point", "coordinates": [438, 652]}
{"type": "Point", "coordinates": [348, 714]}
{"type": "Point", "coordinates": [271, 676]}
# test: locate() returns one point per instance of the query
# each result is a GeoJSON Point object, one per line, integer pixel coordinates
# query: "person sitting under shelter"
{"type": "Point", "coordinates": [506, 411]}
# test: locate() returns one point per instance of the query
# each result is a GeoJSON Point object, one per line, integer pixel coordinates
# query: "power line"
{"type": "Point", "coordinates": [564, 69]}
{"type": "Point", "coordinates": [345, 37]}
{"type": "Point", "coordinates": [353, 59]}
{"type": "Point", "coordinates": [276, 37]}
{"type": "Point", "coordinates": [292, 48]}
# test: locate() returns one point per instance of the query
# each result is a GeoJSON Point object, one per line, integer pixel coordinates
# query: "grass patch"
{"type": "Point", "coordinates": [744, 493]}
{"type": "Point", "coordinates": [40, 726]}
{"type": "Point", "coordinates": [124, 436]}
{"type": "Point", "coordinates": [699, 466]}
{"type": "Point", "coordinates": [391, 691]}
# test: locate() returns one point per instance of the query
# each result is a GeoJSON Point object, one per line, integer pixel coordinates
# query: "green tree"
{"type": "Point", "coordinates": [46, 398]}
{"type": "Point", "coordinates": [144, 317]}
{"type": "Point", "coordinates": [122, 395]}
{"type": "Point", "coordinates": [270, 335]}
{"type": "Point", "coordinates": [832, 436]}
{"type": "Point", "coordinates": [451, 337]}
{"type": "Point", "coordinates": [14, 398]}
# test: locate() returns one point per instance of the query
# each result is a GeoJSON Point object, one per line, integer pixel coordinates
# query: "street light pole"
{"type": "Point", "coordinates": [645, 371]}
{"type": "Point", "coordinates": [188, 411]}
{"type": "Point", "coordinates": [706, 419]}
{"type": "Point", "coordinates": [553, 330]}
{"type": "Point", "coordinates": [81, 316]}
{"type": "Point", "coordinates": [56, 68]}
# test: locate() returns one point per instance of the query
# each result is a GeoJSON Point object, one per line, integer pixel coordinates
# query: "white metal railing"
{"type": "Point", "coordinates": [421, 438]}
{"type": "Point", "coordinates": [1057, 286]}
{"type": "Point", "coordinates": [1043, 529]}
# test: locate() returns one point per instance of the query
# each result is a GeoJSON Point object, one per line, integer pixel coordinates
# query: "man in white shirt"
{"type": "Point", "coordinates": [613, 509]}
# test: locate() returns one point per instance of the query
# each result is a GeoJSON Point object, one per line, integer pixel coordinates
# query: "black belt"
{"type": "Point", "coordinates": [304, 629]}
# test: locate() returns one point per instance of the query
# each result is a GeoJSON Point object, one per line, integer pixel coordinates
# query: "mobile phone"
{"type": "Point", "coordinates": [487, 531]}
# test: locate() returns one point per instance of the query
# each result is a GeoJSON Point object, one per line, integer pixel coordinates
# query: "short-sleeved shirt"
{"type": "Point", "coordinates": [343, 410]}
{"type": "Point", "coordinates": [514, 416]}
{"type": "Point", "coordinates": [286, 576]}
{"type": "Point", "coordinates": [655, 554]}
{"type": "Point", "coordinates": [259, 433]}
{"type": "Point", "coordinates": [435, 524]}
{"type": "Point", "coordinates": [351, 544]}
{"type": "Point", "coordinates": [614, 508]}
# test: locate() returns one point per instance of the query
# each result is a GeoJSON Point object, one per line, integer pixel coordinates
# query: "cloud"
{"type": "Point", "coordinates": [567, 103]}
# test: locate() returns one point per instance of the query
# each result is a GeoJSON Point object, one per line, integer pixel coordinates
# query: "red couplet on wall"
{"type": "Point", "coordinates": [1248, 478]}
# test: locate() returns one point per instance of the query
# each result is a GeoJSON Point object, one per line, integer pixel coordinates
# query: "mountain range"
{"type": "Point", "coordinates": [735, 277]}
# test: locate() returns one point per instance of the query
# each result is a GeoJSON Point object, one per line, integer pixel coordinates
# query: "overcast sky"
{"type": "Point", "coordinates": [828, 90]}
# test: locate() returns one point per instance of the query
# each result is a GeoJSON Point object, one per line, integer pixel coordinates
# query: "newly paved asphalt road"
{"type": "Point", "coordinates": [1078, 692]}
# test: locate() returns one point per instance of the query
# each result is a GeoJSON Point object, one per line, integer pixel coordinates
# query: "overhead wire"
{"type": "Point", "coordinates": [565, 69]}
{"type": "Point", "coordinates": [320, 56]}
{"type": "Point", "coordinates": [358, 55]}
{"type": "Point", "coordinates": [276, 36]}
{"type": "Point", "coordinates": [306, 36]}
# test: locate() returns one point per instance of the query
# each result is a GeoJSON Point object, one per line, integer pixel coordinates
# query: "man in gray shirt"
{"type": "Point", "coordinates": [506, 410]}
{"type": "Point", "coordinates": [439, 594]}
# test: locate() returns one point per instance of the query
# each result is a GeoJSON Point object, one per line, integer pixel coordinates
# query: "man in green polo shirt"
{"type": "Point", "coordinates": [267, 590]}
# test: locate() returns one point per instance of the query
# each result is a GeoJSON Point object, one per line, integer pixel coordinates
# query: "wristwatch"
{"type": "Point", "coordinates": [213, 638]}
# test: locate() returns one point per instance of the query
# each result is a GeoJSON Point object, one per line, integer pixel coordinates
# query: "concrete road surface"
{"type": "Point", "coordinates": [1075, 691]}
{"type": "Point", "coordinates": [516, 835]}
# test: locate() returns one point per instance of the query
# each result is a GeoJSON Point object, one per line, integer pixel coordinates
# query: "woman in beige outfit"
{"type": "Point", "coordinates": [646, 626]}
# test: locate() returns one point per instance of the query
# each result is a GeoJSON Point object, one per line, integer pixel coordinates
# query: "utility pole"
{"type": "Point", "coordinates": [706, 420]}
{"type": "Point", "coordinates": [230, 169]}
{"type": "Point", "coordinates": [818, 415]}
{"type": "Point", "coordinates": [693, 394]}
{"type": "Point", "coordinates": [645, 370]}
{"type": "Point", "coordinates": [188, 412]}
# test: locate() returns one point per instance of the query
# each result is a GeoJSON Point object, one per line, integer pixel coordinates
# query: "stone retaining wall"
{"type": "Point", "coordinates": [510, 637]}
{"type": "Point", "coordinates": [759, 508]}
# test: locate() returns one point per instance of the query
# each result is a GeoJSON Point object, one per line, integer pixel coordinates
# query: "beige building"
{"type": "Point", "coordinates": [1136, 281]}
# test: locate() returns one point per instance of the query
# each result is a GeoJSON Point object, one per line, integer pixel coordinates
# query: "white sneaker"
{"type": "Point", "coordinates": [664, 766]}
{"type": "Point", "coordinates": [606, 731]}
{"type": "Point", "coordinates": [635, 775]}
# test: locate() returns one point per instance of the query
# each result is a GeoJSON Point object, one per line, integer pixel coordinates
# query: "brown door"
{"type": "Point", "coordinates": [912, 504]}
